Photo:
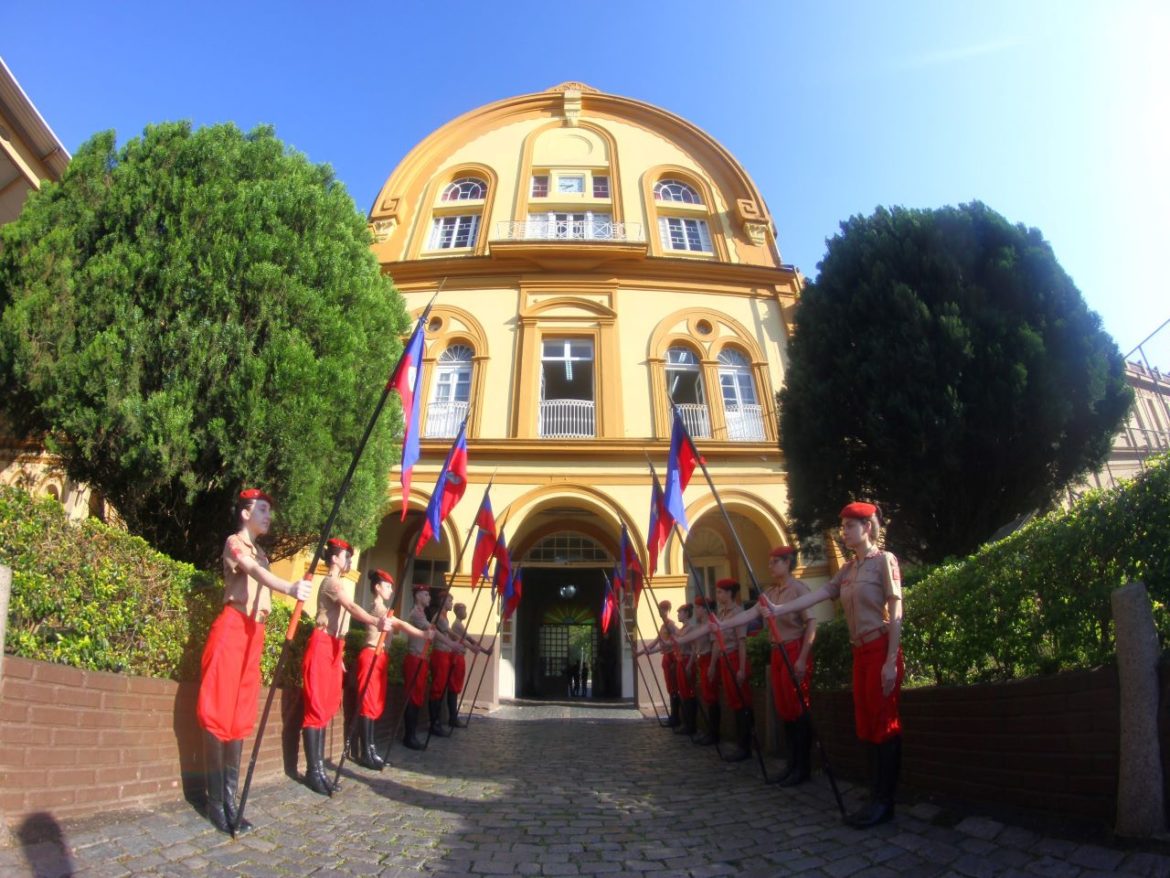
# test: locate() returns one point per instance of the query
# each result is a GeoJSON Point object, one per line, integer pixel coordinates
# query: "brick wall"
{"type": "Point", "coordinates": [78, 742]}
{"type": "Point", "coordinates": [1048, 744]}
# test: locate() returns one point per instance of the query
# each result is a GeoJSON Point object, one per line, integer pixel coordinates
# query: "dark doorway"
{"type": "Point", "coordinates": [558, 633]}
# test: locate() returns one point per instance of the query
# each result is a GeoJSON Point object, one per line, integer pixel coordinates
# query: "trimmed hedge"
{"type": "Point", "coordinates": [94, 597]}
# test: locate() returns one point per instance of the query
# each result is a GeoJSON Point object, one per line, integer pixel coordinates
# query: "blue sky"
{"type": "Point", "coordinates": [1053, 112]}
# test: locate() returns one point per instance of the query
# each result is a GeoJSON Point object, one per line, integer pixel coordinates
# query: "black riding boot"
{"type": "Point", "coordinates": [314, 745]}
{"type": "Point", "coordinates": [802, 741]}
{"type": "Point", "coordinates": [232, 751]}
{"type": "Point", "coordinates": [789, 753]}
{"type": "Point", "coordinates": [711, 736]}
{"type": "Point", "coordinates": [689, 710]}
{"type": "Point", "coordinates": [213, 765]}
{"type": "Point", "coordinates": [410, 728]}
{"type": "Point", "coordinates": [674, 720]}
{"type": "Point", "coordinates": [743, 737]}
{"type": "Point", "coordinates": [369, 749]}
{"type": "Point", "coordinates": [436, 711]}
{"type": "Point", "coordinates": [888, 757]}
{"type": "Point", "coordinates": [453, 719]}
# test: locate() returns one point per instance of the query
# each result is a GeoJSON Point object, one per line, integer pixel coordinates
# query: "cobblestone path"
{"type": "Point", "coordinates": [557, 791]}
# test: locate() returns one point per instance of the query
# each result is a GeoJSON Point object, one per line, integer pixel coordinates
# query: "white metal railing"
{"type": "Point", "coordinates": [569, 230]}
{"type": "Point", "coordinates": [745, 423]}
{"type": "Point", "coordinates": [695, 418]}
{"type": "Point", "coordinates": [444, 418]}
{"type": "Point", "coordinates": [566, 419]}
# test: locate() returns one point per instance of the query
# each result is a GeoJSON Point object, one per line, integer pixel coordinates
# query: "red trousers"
{"type": "Point", "coordinates": [322, 672]}
{"type": "Point", "coordinates": [458, 672]}
{"type": "Point", "coordinates": [440, 673]}
{"type": "Point", "coordinates": [783, 692]}
{"type": "Point", "coordinates": [738, 697]}
{"type": "Point", "coordinates": [230, 686]}
{"type": "Point", "coordinates": [708, 690]}
{"type": "Point", "coordinates": [875, 714]}
{"type": "Point", "coordinates": [371, 673]}
{"type": "Point", "coordinates": [669, 673]}
{"type": "Point", "coordinates": [686, 688]}
{"type": "Point", "coordinates": [414, 676]}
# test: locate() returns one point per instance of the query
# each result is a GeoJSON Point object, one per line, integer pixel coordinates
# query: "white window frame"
{"type": "Point", "coordinates": [692, 233]}
{"type": "Point", "coordinates": [447, 231]}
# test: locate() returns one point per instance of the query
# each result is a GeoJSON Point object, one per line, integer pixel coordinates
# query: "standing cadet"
{"type": "Point", "coordinates": [323, 666]}
{"type": "Point", "coordinates": [664, 643]}
{"type": "Point", "coordinates": [414, 668]}
{"type": "Point", "coordinates": [684, 672]}
{"type": "Point", "coordinates": [869, 587]}
{"type": "Point", "coordinates": [443, 651]}
{"type": "Point", "coordinates": [230, 684]}
{"type": "Point", "coordinates": [733, 669]}
{"type": "Point", "coordinates": [371, 668]}
{"type": "Point", "coordinates": [459, 664]}
{"type": "Point", "coordinates": [797, 633]}
{"type": "Point", "coordinates": [698, 638]}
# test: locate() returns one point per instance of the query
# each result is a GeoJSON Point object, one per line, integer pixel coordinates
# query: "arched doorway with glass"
{"type": "Point", "coordinates": [560, 650]}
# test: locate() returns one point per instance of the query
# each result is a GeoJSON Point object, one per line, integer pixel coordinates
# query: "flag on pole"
{"type": "Point", "coordinates": [679, 466]}
{"type": "Point", "coordinates": [512, 593]}
{"type": "Point", "coordinates": [630, 566]}
{"type": "Point", "coordinates": [485, 541]}
{"type": "Point", "coordinates": [661, 524]}
{"type": "Point", "coordinates": [449, 488]}
{"type": "Point", "coordinates": [407, 380]}
{"type": "Point", "coordinates": [608, 606]}
{"type": "Point", "coordinates": [503, 571]}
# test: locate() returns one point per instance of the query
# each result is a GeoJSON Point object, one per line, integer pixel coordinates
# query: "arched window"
{"type": "Point", "coordinates": [450, 392]}
{"type": "Point", "coordinates": [568, 547]}
{"type": "Point", "coordinates": [676, 190]}
{"type": "Point", "coordinates": [465, 189]}
{"type": "Point", "coordinates": [744, 414]}
{"type": "Point", "coordinates": [684, 386]}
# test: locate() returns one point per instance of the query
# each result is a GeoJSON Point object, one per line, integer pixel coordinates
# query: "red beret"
{"type": "Point", "coordinates": [664, 605]}
{"type": "Point", "coordinates": [384, 576]}
{"type": "Point", "coordinates": [419, 586]}
{"type": "Point", "coordinates": [336, 543]}
{"type": "Point", "coordinates": [729, 584]}
{"type": "Point", "coordinates": [782, 552]}
{"type": "Point", "coordinates": [859, 510]}
{"type": "Point", "coordinates": [700, 601]}
{"type": "Point", "coordinates": [255, 494]}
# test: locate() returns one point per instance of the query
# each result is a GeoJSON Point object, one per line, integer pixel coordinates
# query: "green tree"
{"type": "Point", "coordinates": [945, 366]}
{"type": "Point", "coordinates": [194, 313]}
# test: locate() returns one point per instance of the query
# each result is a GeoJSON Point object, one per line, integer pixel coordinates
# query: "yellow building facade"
{"type": "Point", "coordinates": [596, 257]}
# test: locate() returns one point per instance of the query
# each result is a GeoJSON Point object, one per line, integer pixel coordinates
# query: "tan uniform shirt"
{"type": "Point", "coordinates": [791, 625]}
{"type": "Point", "coordinates": [331, 615]}
{"type": "Point", "coordinates": [240, 590]}
{"type": "Point", "coordinates": [731, 636]}
{"type": "Point", "coordinates": [863, 589]}
{"type": "Point", "coordinates": [378, 611]}
{"type": "Point", "coordinates": [702, 645]}
{"type": "Point", "coordinates": [443, 627]}
{"type": "Point", "coordinates": [418, 618]}
{"type": "Point", "coordinates": [458, 630]}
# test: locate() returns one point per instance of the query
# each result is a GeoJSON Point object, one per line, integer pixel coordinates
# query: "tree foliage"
{"type": "Point", "coordinates": [945, 366]}
{"type": "Point", "coordinates": [193, 313]}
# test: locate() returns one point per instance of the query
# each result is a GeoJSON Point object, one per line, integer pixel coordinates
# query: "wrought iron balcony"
{"type": "Point", "coordinates": [570, 230]}
{"type": "Point", "coordinates": [695, 418]}
{"type": "Point", "coordinates": [745, 423]}
{"type": "Point", "coordinates": [567, 419]}
{"type": "Point", "coordinates": [443, 419]}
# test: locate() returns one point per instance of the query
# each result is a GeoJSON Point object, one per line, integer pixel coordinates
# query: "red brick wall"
{"type": "Point", "coordinates": [1048, 744]}
{"type": "Point", "coordinates": [78, 742]}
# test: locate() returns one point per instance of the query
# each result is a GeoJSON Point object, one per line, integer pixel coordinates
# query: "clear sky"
{"type": "Point", "coordinates": [1053, 112]}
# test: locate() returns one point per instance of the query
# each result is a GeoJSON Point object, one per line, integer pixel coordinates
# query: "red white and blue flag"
{"type": "Point", "coordinates": [661, 524]}
{"type": "Point", "coordinates": [485, 541]}
{"type": "Point", "coordinates": [503, 571]}
{"type": "Point", "coordinates": [512, 593]}
{"type": "Point", "coordinates": [449, 488]}
{"type": "Point", "coordinates": [629, 574]}
{"type": "Point", "coordinates": [679, 466]}
{"type": "Point", "coordinates": [407, 380]}
{"type": "Point", "coordinates": [609, 606]}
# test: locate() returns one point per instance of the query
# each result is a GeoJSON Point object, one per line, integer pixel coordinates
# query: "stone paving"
{"type": "Point", "coordinates": [557, 791]}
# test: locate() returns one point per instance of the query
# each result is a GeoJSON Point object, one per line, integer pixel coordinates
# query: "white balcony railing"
{"type": "Point", "coordinates": [444, 418]}
{"type": "Point", "coordinates": [570, 230]}
{"type": "Point", "coordinates": [566, 419]}
{"type": "Point", "coordinates": [695, 418]}
{"type": "Point", "coordinates": [745, 423]}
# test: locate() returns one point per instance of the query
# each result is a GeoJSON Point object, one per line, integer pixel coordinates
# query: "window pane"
{"type": "Point", "coordinates": [540, 186]}
{"type": "Point", "coordinates": [601, 187]}
{"type": "Point", "coordinates": [573, 185]}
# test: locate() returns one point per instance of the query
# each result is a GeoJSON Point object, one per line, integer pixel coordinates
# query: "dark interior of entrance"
{"type": "Point", "coordinates": [559, 636]}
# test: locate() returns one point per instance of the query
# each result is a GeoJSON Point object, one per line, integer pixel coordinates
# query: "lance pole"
{"type": "Point", "coordinates": [630, 637]}
{"type": "Point", "coordinates": [294, 620]}
{"type": "Point", "coordinates": [495, 640]}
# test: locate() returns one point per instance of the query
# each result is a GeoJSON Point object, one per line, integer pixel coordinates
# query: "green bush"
{"type": "Point", "coordinates": [1038, 601]}
{"type": "Point", "coordinates": [94, 597]}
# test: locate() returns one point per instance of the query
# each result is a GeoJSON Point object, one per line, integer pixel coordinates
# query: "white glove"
{"type": "Point", "coordinates": [302, 589]}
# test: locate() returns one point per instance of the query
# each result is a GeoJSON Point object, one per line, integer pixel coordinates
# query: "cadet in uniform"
{"type": "Point", "coordinates": [698, 638]}
{"type": "Point", "coordinates": [684, 672]}
{"type": "Point", "coordinates": [414, 668]}
{"type": "Point", "coordinates": [230, 683]}
{"type": "Point", "coordinates": [372, 669]}
{"type": "Point", "coordinates": [733, 669]}
{"type": "Point", "coordinates": [459, 664]}
{"type": "Point", "coordinates": [797, 633]}
{"type": "Point", "coordinates": [323, 667]}
{"type": "Point", "coordinates": [869, 587]}
{"type": "Point", "coordinates": [443, 651]}
{"type": "Point", "coordinates": [664, 643]}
